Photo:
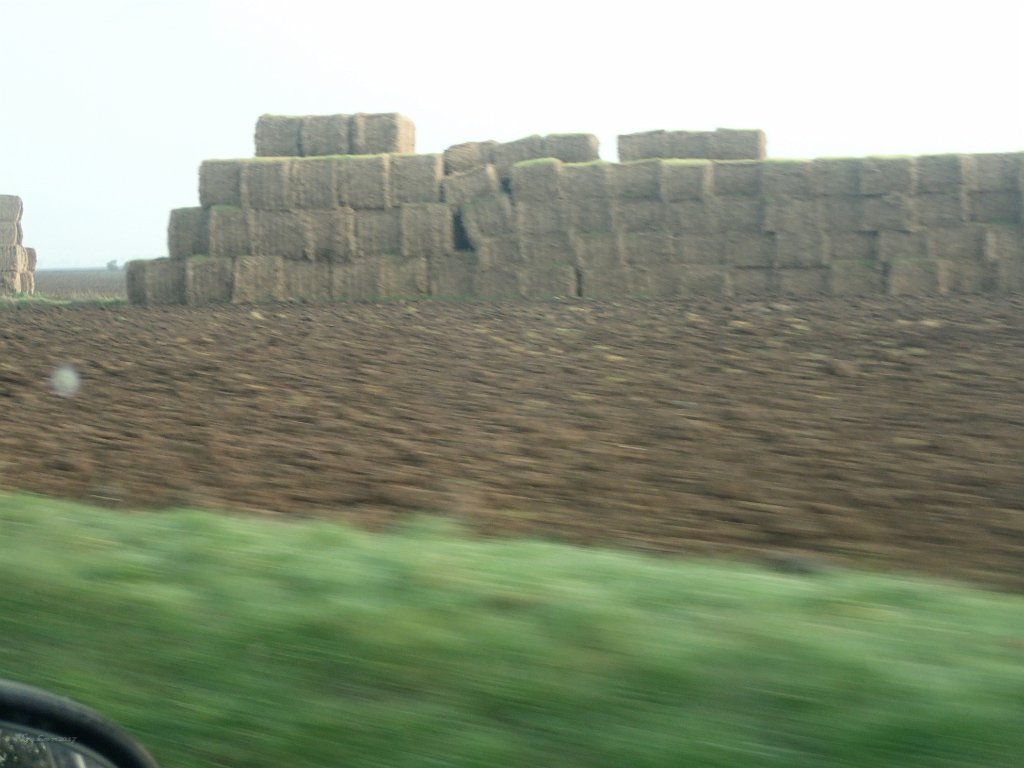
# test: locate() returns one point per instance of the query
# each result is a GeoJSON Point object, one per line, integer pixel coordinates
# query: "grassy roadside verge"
{"type": "Point", "coordinates": [223, 640]}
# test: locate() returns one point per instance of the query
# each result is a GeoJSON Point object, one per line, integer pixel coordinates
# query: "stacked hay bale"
{"type": "Point", "coordinates": [338, 207]}
{"type": "Point", "coordinates": [17, 263]}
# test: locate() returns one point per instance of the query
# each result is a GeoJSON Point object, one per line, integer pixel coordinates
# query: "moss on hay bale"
{"type": "Point", "coordinates": [278, 136]}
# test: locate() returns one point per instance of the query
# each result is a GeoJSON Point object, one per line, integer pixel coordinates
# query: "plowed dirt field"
{"type": "Point", "coordinates": [880, 432]}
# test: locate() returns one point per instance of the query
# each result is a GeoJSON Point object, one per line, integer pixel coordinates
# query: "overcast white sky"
{"type": "Point", "coordinates": [111, 105]}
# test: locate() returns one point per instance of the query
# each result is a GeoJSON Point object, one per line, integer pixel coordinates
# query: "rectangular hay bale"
{"type": "Point", "coordinates": [738, 214]}
{"type": "Point", "coordinates": [587, 181]}
{"type": "Point", "coordinates": [228, 232]}
{"type": "Point", "coordinates": [10, 233]}
{"type": "Point", "coordinates": [748, 250]}
{"type": "Point", "coordinates": [956, 243]}
{"type": "Point", "coordinates": [598, 252]}
{"type": "Point", "coordinates": [1003, 207]}
{"type": "Point", "coordinates": [803, 283]}
{"type": "Point", "coordinates": [542, 280]}
{"type": "Point", "coordinates": [685, 180]}
{"type": "Point", "coordinates": [499, 253]}
{"type": "Point", "coordinates": [698, 217]}
{"type": "Point", "coordinates": [321, 135]}
{"type": "Point", "coordinates": [278, 136]}
{"type": "Point", "coordinates": [639, 180]}
{"type": "Point", "coordinates": [837, 175]}
{"type": "Point", "coordinates": [28, 283]}
{"type": "Point", "coordinates": [591, 214]}
{"type": "Point", "coordinates": [220, 182]}
{"type": "Point", "coordinates": [792, 214]}
{"type": "Point", "coordinates": [11, 208]}
{"type": "Point", "coordinates": [257, 279]}
{"type": "Point", "coordinates": [807, 248]}
{"type": "Point", "coordinates": [572, 147]}
{"type": "Point", "coordinates": [751, 283]}
{"type": "Point", "coordinates": [853, 246]}
{"type": "Point", "coordinates": [313, 183]}
{"type": "Point", "coordinates": [856, 278]}
{"type": "Point", "coordinates": [467, 156]}
{"type": "Point", "coordinates": [426, 230]}
{"type": "Point", "coordinates": [894, 211]}
{"type": "Point", "coordinates": [13, 258]}
{"type": "Point", "coordinates": [450, 275]}
{"type": "Point", "coordinates": [188, 232]}
{"type": "Point", "coordinates": [997, 172]}
{"type": "Point", "coordinates": [641, 215]}
{"type": "Point", "coordinates": [305, 281]}
{"type": "Point", "coordinates": [533, 219]}
{"type": "Point", "coordinates": [883, 175]}
{"type": "Point", "coordinates": [536, 181]}
{"type": "Point", "coordinates": [498, 283]}
{"type": "Point", "coordinates": [331, 235]}
{"type": "Point", "coordinates": [459, 188]}
{"type": "Point", "coordinates": [164, 282]}
{"type": "Point", "coordinates": [689, 145]}
{"type": "Point", "coordinates": [508, 154]}
{"type": "Point", "coordinates": [378, 232]}
{"type": "Point", "coordinates": [10, 282]}
{"type": "Point", "coordinates": [914, 277]}
{"type": "Point", "coordinates": [208, 281]}
{"type": "Point", "coordinates": [364, 181]}
{"type": "Point", "coordinates": [277, 233]}
{"type": "Point", "coordinates": [940, 174]}
{"type": "Point", "coordinates": [31, 255]}
{"type": "Point", "coordinates": [738, 144]}
{"type": "Point", "coordinates": [843, 213]}
{"type": "Point", "coordinates": [738, 178]}
{"type": "Point", "coordinates": [942, 209]}
{"type": "Point", "coordinates": [648, 248]}
{"type": "Point", "coordinates": [896, 246]}
{"type": "Point", "coordinates": [642, 146]}
{"type": "Point", "coordinates": [416, 178]}
{"type": "Point", "coordinates": [715, 249]}
{"type": "Point", "coordinates": [552, 248]}
{"type": "Point", "coordinates": [488, 216]}
{"type": "Point", "coordinates": [266, 184]}
{"type": "Point", "coordinates": [789, 178]}
{"type": "Point", "coordinates": [382, 133]}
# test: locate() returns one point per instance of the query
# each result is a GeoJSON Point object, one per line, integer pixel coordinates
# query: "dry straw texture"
{"type": "Point", "coordinates": [642, 146]}
{"type": "Point", "coordinates": [10, 233]}
{"type": "Point", "coordinates": [468, 155]}
{"type": "Point", "coordinates": [838, 175]}
{"type": "Point", "coordinates": [738, 144]}
{"type": "Point", "coordinates": [266, 184]}
{"type": "Point", "coordinates": [586, 181]}
{"type": "Point", "coordinates": [208, 281]}
{"type": "Point", "coordinates": [512, 152]}
{"type": "Point", "coordinates": [13, 258]}
{"type": "Point", "coordinates": [451, 275]}
{"type": "Point", "coordinates": [914, 277]}
{"type": "Point", "coordinates": [382, 133]}
{"type": "Point", "coordinates": [277, 233]}
{"type": "Point", "coordinates": [998, 172]}
{"type": "Point", "coordinates": [228, 232]}
{"type": "Point", "coordinates": [31, 254]}
{"type": "Point", "coordinates": [943, 209]}
{"type": "Point", "coordinates": [257, 279]}
{"type": "Point", "coordinates": [426, 230]}
{"type": "Point", "coordinates": [487, 216]}
{"type": "Point", "coordinates": [416, 178]}
{"type": "Point", "coordinates": [803, 283]}
{"type": "Point", "coordinates": [331, 235]}
{"type": "Point", "coordinates": [882, 175]}
{"type": "Point", "coordinates": [536, 181]}
{"type": "Point", "coordinates": [685, 180]}
{"type": "Point", "coordinates": [10, 282]}
{"type": "Point", "coordinates": [364, 181]}
{"type": "Point", "coordinates": [789, 178]}
{"type": "Point", "coordinates": [278, 136]}
{"type": "Point", "coordinates": [460, 188]}
{"type": "Point", "coordinates": [378, 232]}
{"type": "Point", "coordinates": [305, 281]}
{"type": "Point", "coordinates": [314, 183]}
{"type": "Point", "coordinates": [638, 180]}
{"type": "Point", "coordinates": [944, 173]}
{"type": "Point", "coordinates": [572, 147]}
{"type": "Point", "coordinates": [856, 278]}
{"type": "Point", "coordinates": [156, 282]}
{"type": "Point", "coordinates": [220, 182]}
{"type": "Point", "coordinates": [10, 208]}
{"type": "Point", "coordinates": [188, 232]}
{"type": "Point", "coordinates": [325, 135]}
{"type": "Point", "coordinates": [28, 283]}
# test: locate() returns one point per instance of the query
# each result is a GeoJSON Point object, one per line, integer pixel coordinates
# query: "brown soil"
{"type": "Point", "coordinates": [879, 432]}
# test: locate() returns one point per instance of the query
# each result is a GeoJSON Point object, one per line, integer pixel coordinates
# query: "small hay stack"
{"type": "Point", "coordinates": [17, 263]}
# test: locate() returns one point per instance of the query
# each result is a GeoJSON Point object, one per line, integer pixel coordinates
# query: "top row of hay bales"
{"type": "Point", "coordinates": [720, 144]}
{"type": "Point", "coordinates": [319, 135]}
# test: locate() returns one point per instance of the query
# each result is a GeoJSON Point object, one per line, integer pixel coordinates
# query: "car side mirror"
{"type": "Point", "coordinates": [39, 729]}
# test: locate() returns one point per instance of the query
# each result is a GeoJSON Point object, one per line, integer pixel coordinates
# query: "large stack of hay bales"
{"type": "Point", "coordinates": [339, 208]}
{"type": "Point", "coordinates": [17, 263]}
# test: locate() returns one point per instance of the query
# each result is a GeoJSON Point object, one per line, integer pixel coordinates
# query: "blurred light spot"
{"type": "Point", "coordinates": [65, 381]}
